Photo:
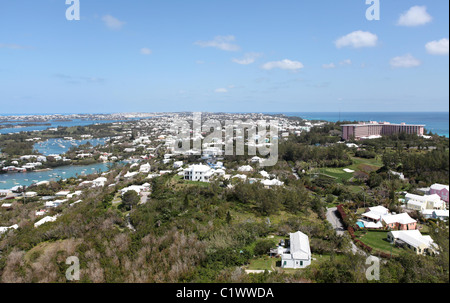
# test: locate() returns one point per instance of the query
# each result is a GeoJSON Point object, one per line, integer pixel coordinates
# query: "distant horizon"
{"type": "Point", "coordinates": [237, 112]}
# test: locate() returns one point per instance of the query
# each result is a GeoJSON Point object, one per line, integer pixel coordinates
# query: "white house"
{"type": "Point", "coordinates": [414, 240]}
{"type": "Point", "coordinates": [45, 220]}
{"type": "Point", "coordinates": [137, 188]}
{"type": "Point", "coordinates": [99, 182]}
{"type": "Point", "coordinates": [299, 255]}
{"type": "Point", "coordinates": [245, 168]}
{"type": "Point", "coordinates": [54, 204]}
{"type": "Point", "coordinates": [376, 213]}
{"type": "Point", "coordinates": [30, 194]}
{"type": "Point", "coordinates": [145, 168]}
{"type": "Point", "coordinates": [440, 214]}
{"type": "Point", "coordinates": [420, 203]}
{"type": "Point", "coordinates": [5, 229]}
{"type": "Point", "coordinates": [177, 164]}
{"type": "Point", "coordinates": [130, 174]}
{"type": "Point", "coordinates": [272, 183]}
{"type": "Point", "coordinates": [62, 193]}
{"type": "Point", "coordinates": [198, 172]}
{"type": "Point", "coordinates": [5, 192]}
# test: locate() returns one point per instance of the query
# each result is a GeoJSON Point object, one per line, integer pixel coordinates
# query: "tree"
{"type": "Point", "coordinates": [262, 247]}
{"type": "Point", "coordinates": [186, 202]}
{"type": "Point", "coordinates": [228, 217]}
{"type": "Point", "coordinates": [130, 199]}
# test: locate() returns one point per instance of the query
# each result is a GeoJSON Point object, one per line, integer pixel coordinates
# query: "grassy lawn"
{"type": "Point", "coordinates": [359, 164]}
{"type": "Point", "coordinates": [263, 263]}
{"type": "Point", "coordinates": [378, 241]}
{"type": "Point", "coordinates": [337, 173]}
{"type": "Point", "coordinates": [179, 180]}
{"type": "Point", "coordinates": [372, 162]}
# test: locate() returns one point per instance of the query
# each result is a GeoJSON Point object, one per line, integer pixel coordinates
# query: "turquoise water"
{"type": "Point", "coordinates": [436, 122]}
{"type": "Point", "coordinates": [60, 146]}
{"type": "Point", "coordinates": [10, 180]}
{"type": "Point", "coordinates": [75, 122]}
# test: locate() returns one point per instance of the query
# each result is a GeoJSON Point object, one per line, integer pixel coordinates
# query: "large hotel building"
{"type": "Point", "coordinates": [368, 130]}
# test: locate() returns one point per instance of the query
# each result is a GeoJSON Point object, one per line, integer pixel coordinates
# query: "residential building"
{"type": "Point", "coordinates": [419, 203]}
{"type": "Point", "coordinates": [299, 253]}
{"type": "Point", "coordinates": [399, 221]}
{"type": "Point", "coordinates": [414, 240]}
{"type": "Point", "coordinates": [5, 192]}
{"type": "Point", "coordinates": [198, 172]}
{"type": "Point", "coordinates": [5, 229]}
{"type": "Point", "coordinates": [99, 182]}
{"type": "Point", "coordinates": [272, 183]}
{"type": "Point", "coordinates": [45, 220]}
{"type": "Point", "coordinates": [441, 190]}
{"type": "Point", "coordinates": [145, 168]}
{"type": "Point", "coordinates": [245, 168]}
{"type": "Point", "coordinates": [378, 217]}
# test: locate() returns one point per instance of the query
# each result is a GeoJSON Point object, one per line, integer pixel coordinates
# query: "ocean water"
{"type": "Point", "coordinates": [10, 180]}
{"type": "Point", "coordinates": [436, 122]}
{"type": "Point", "coordinates": [60, 146]}
{"type": "Point", "coordinates": [75, 122]}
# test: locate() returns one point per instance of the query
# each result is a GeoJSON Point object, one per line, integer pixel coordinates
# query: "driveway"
{"type": "Point", "coordinates": [336, 222]}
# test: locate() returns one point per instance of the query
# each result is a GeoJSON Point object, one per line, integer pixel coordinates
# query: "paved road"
{"type": "Point", "coordinates": [336, 222]}
{"type": "Point", "coordinates": [333, 218]}
{"type": "Point", "coordinates": [129, 225]}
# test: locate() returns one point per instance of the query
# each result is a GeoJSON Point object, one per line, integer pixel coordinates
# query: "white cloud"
{"type": "Point", "coordinates": [405, 61]}
{"type": "Point", "coordinates": [221, 90]}
{"type": "Point", "coordinates": [346, 62]}
{"type": "Point", "coordinates": [437, 47]}
{"type": "Point", "coordinates": [249, 58]}
{"type": "Point", "coordinates": [13, 46]}
{"type": "Point", "coordinates": [283, 64]}
{"type": "Point", "coordinates": [357, 39]}
{"type": "Point", "coordinates": [415, 16]}
{"type": "Point", "coordinates": [146, 51]}
{"type": "Point", "coordinates": [112, 23]}
{"type": "Point", "coordinates": [329, 66]}
{"type": "Point", "coordinates": [221, 42]}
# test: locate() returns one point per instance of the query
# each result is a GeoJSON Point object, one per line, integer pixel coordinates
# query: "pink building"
{"type": "Point", "coordinates": [369, 130]}
{"type": "Point", "coordinates": [441, 191]}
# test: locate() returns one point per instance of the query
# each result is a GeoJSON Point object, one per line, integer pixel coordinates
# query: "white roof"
{"type": "Point", "coordinates": [264, 174]}
{"type": "Point", "coordinates": [128, 174]}
{"type": "Point", "coordinates": [379, 209]}
{"type": "Point", "coordinates": [245, 168]}
{"type": "Point", "coordinates": [413, 238]}
{"type": "Point", "coordinates": [299, 246]}
{"type": "Point", "coordinates": [198, 168]}
{"type": "Point", "coordinates": [441, 213]}
{"type": "Point", "coordinates": [101, 179]}
{"type": "Point", "coordinates": [45, 220]}
{"type": "Point", "coordinates": [273, 182]}
{"type": "Point", "coordinates": [376, 212]}
{"type": "Point", "coordinates": [426, 198]}
{"type": "Point", "coordinates": [438, 186]}
{"type": "Point", "coordinates": [402, 218]}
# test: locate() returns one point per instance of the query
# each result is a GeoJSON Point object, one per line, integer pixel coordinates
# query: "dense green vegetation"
{"type": "Point", "coordinates": [210, 232]}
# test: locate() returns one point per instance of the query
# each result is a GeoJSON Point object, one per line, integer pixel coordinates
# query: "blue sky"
{"type": "Point", "coordinates": [231, 56]}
